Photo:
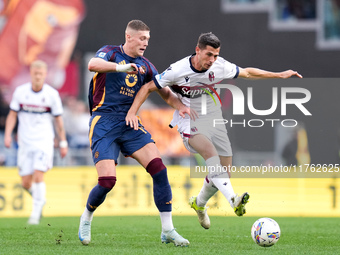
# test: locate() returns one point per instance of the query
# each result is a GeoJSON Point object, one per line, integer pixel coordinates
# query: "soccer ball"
{"type": "Point", "coordinates": [265, 232]}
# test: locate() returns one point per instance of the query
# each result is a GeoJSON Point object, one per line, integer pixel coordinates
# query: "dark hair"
{"type": "Point", "coordinates": [208, 39]}
{"type": "Point", "coordinates": [138, 25]}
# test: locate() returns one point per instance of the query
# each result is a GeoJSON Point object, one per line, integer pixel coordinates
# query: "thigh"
{"type": "Point", "coordinates": [191, 133]}
{"type": "Point", "coordinates": [106, 168]}
{"type": "Point", "coordinates": [134, 140]}
{"type": "Point", "coordinates": [25, 161]}
{"type": "Point", "coordinates": [42, 160]}
{"type": "Point", "coordinates": [145, 154]}
{"type": "Point", "coordinates": [203, 145]}
{"type": "Point", "coordinates": [103, 136]}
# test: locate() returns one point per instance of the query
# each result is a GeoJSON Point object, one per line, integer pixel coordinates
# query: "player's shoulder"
{"type": "Point", "coordinates": [147, 62]}
{"type": "Point", "coordinates": [50, 90]}
{"type": "Point", "coordinates": [180, 65]}
{"type": "Point", "coordinates": [23, 88]}
{"type": "Point", "coordinates": [183, 62]}
{"type": "Point", "coordinates": [220, 64]}
{"type": "Point", "coordinates": [222, 61]}
{"type": "Point", "coordinates": [109, 48]}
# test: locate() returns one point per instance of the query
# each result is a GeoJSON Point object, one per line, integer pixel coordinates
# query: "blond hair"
{"type": "Point", "coordinates": [38, 64]}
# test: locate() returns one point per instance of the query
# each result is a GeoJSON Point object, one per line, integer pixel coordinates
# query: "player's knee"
{"type": "Point", "coordinates": [155, 166]}
{"type": "Point", "coordinates": [26, 184]}
{"type": "Point", "coordinates": [107, 182]}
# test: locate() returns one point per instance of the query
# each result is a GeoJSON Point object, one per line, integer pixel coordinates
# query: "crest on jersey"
{"type": "Point", "coordinates": [101, 54]}
{"type": "Point", "coordinates": [194, 129]}
{"type": "Point", "coordinates": [186, 78]}
{"type": "Point", "coordinates": [211, 76]}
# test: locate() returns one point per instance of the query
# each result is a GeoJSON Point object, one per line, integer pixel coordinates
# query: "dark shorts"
{"type": "Point", "coordinates": [109, 135]}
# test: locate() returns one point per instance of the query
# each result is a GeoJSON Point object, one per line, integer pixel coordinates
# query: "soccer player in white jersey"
{"type": "Point", "coordinates": [189, 78]}
{"type": "Point", "coordinates": [34, 104]}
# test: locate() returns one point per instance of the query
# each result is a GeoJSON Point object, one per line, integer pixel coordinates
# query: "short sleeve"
{"type": "Point", "coordinates": [104, 52]}
{"type": "Point", "coordinates": [231, 71]}
{"type": "Point", "coordinates": [15, 105]}
{"type": "Point", "coordinates": [164, 79]}
{"type": "Point", "coordinates": [152, 72]}
{"type": "Point", "coordinates": [57, 107]}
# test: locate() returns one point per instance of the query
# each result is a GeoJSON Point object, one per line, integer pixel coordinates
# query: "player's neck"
{"type": "Point", "coordinates": [194, 62]}
{"type": "Point", "coordinates": [128, 51]}
{"type": "Point", "coordinates": [196, 65]}
{"type": "Point", "coordinates": [37, 87]}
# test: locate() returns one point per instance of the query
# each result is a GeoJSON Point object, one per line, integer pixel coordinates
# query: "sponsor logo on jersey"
{"type": "Point", "coordinates": [131, 80]}
{"type": "Point", "coordinates": [34, 108]}
{"type": "Point", "coordinates": [196, 91]}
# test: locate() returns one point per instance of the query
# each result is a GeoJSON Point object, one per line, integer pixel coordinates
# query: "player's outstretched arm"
{"type": "Point", "coordinates": [171, 99]}
{"type": "Point", "coordinates": [11, 121]}
{"type": "Point", "coordinates": [255, 73]}
{"type": "Point", "coordinates": [131, 117]}
{"type": "Point", "coordinates": [102, 66]}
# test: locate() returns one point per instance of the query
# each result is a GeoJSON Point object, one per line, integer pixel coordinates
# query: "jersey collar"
{"type": "Point", "coordinates": [127, 56]}
{"type": "Point", "coordinates": [192, 67]}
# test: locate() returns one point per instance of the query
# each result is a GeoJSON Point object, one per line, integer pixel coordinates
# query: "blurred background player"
{"type": "Point", "coordinates": [120, 72]}
{"type": "Point", "coordinates": [45, 30]}
{"type": "Point", "coordinates": [189, 78]}
{"type": "Point", "coordinates": [34, 104]}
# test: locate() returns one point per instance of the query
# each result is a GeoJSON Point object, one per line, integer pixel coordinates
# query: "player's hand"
{"type": "Point", "coordinates": [290, 73]}
{"type": "Point", "coordinates": [63, 152]}
{"type": "Point", "coordinates": [8, 141]}
{"type": "Point", "coordinates": [186, 110]}
{"type": "Point", "coordinates": [138, 68]}
{"type": "Point", "coordinates": [132, 121]}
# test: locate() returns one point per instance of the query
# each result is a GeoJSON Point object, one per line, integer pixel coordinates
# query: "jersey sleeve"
{"type": "Point", "coordinates": [104, 52]}
{"type": "Point", "coordinates": [15, 105]}
{"type": "Point", "coordinates": [164, 79]}
{"type": "Point", "coordinates": [57, 107]}
{"type": "Point", "coordinates": [152, 72]}
{"type": "Point", "coordinates": [231, 71]}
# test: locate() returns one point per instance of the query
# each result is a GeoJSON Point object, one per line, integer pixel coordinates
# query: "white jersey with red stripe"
{"type": "Point", "coordinates": [190, 84]}
{"type": "Point", "coordinates": [35, 111]}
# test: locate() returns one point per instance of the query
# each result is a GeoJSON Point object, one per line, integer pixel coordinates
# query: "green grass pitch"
{"type": "Point", "coordinates": [141, 235]}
